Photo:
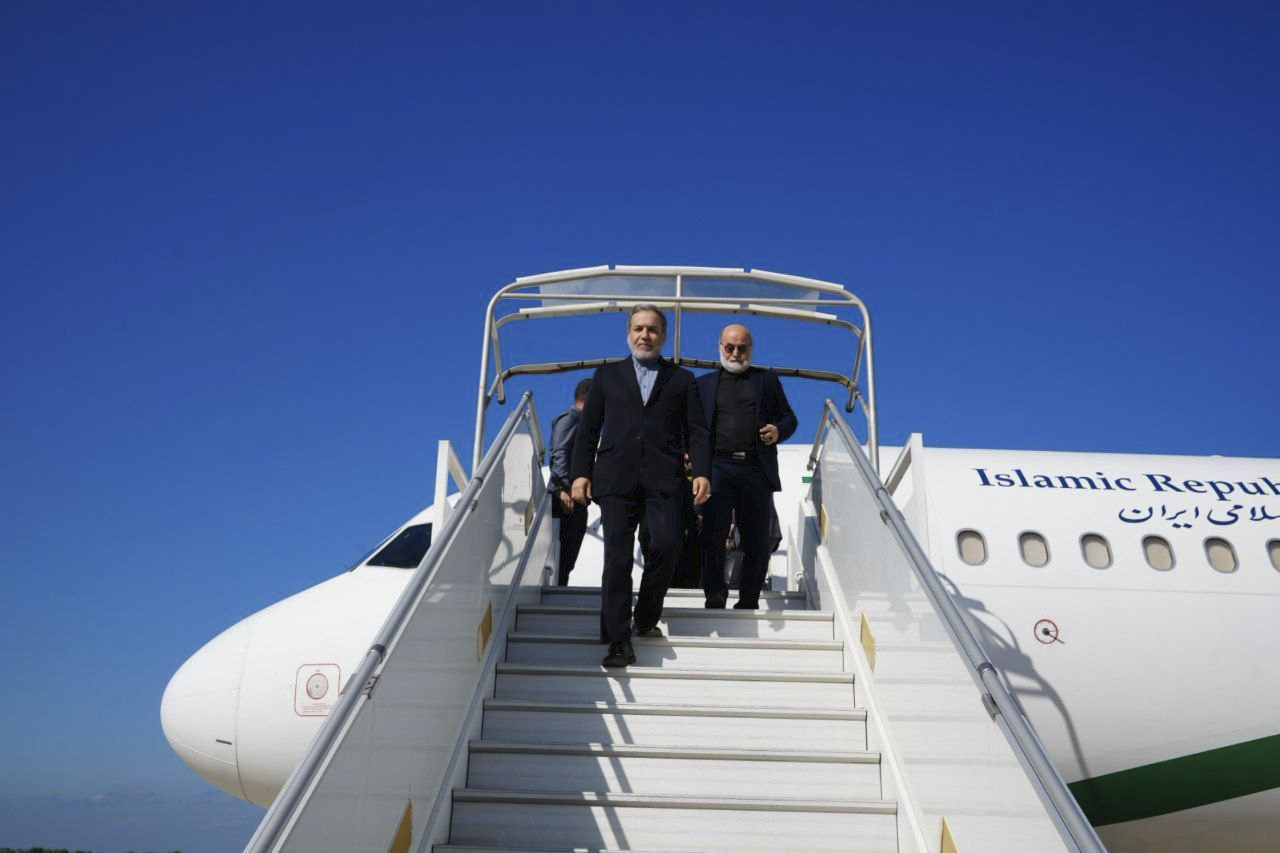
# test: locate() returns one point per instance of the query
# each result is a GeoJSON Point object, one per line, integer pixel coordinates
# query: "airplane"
{"type": "Point", "coordinates": [1127, 599]}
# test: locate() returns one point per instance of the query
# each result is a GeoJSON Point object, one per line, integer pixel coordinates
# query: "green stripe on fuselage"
{"type": "Point", "coordinates": [1181, 783]}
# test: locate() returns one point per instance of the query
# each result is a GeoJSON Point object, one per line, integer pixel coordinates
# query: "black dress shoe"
{"type": "Point", "coordinates": [715, 602]}
{"type": "Point", "coordinates": [655, 631]}
{"type": "Point", "coordinates": [620, 654]}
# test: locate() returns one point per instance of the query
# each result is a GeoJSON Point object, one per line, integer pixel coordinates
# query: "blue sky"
{"type": "Point", "coordinates": [245, 251]}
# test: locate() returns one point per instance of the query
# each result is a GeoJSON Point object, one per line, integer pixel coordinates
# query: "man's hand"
{"type": "Point", "coordinates": [566, 500]}
{"type": "Point", "coordinates": [768, 434]}
{"type": "Point", "coordinates": [582, 490]}
{"type": "Point", "coordinates": [701, 490]}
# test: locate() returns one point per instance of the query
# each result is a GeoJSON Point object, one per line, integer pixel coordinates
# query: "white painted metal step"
{"type": "Point", "coordinates": [684, 652]}
{"type": "Point", "coordinates": [467, 848]}
{"type": "Point", "coordinates": [935, 660]}
{"type": "Point", "coordinates": [589, 596]}
{"type": "Point", "coordinates": [674, 771]}
{"type": "Point", "coordinates": [683, 621]}
{"type": "Point", "coordinates": [674, 686]}
{"type": "Point", "coordinates": [940, 733]}
{"type": "Point", "coordinates": [913, 693]}
{"type": "Point", "coordinates": [895, 628]}
{"type": "Point", "coordinates": [754, 727]}
{"type": "Point", "coordinates": [628, 821]}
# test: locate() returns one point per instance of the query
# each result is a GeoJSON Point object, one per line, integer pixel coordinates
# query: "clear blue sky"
{"type": "Point", "coordinates": [245, 250]}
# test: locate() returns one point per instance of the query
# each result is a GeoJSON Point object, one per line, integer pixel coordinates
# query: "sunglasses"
{"type": "Point", "coordinates": [732, 348]}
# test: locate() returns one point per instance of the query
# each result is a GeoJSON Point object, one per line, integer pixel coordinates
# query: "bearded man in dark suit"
{"type": "Point", "coordinates": [747, 414]}
{"type": "Point", "coordinates": [628, 456]}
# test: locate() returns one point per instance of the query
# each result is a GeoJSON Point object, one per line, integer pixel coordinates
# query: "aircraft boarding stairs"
{"type": "Point", "coordinates": [736, 731]}
{"type": "Point", "coordinates": [853, 711]}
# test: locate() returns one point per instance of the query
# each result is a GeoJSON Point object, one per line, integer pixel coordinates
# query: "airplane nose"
{"type": "Point", "coordinates": [199, 707]}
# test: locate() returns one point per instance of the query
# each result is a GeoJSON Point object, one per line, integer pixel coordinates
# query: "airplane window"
{"type": "Point", "coordinates": [1273, 551]}
{"type": "Point", "coordinates": [1035, 551]}
{"type": "Point", "coordinates": [1159, 553]}
{"type": "Point", "coordinates": [972, 547]}
{"type": "Point", "coordinates": [406, 550]}
{"type": "Point", "coordinates": [1097, 552]}
{"type": "Point", "coordinates": [1221, 555]}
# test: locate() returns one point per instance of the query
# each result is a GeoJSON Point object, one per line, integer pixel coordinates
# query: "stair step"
{"type": "Point", "coordinates": [627, 821]}
{"type": "Point", "coordinates": [888, 628]}
{"type": "Point", "coordinates": [712, 652]}
{"type": "Point", "coordinates": [673, 771]}
{"type": "Point", "coordinates": [683, 621]}
{"type": "Point", "coordinates": [674, 725]}
{"type": "Point", "coordinates": [936, 732]}
{"type": "Point", "coordinates": [668, 685]}
{"type": "Point", "coordinates": [912, 693]}
{"type": "Point", "coordinates": [924, 659]}
{"type": "Point", "coordinates": [589, 596]}
{"type": "Point", "coordinates": [467, 848]}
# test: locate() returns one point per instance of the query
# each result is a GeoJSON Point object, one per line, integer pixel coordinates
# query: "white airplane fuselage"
{"type": "Point", "coordinates": [1129, 673]}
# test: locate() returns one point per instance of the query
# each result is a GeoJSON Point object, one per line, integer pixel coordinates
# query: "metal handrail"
{"type": "Point", "coordinates": [306, 774]}
{"type": "Point", "coordinates": [1072, 824]}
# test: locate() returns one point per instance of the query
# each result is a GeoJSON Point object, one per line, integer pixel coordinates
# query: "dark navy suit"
{"type": "Point", "coordinates": [743, 489]}
{"type": "Point", "coordinates": [633, 453]}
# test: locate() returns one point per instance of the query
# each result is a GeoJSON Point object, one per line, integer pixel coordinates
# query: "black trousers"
{"type": "Point", "coordinates": [739, 492]}
{"type": "Point", "coordinates": [688, 573]}
{"type": "Point", "coordinates": [620, 514]}
{"type": "Point", "coordinates": [573, 525]}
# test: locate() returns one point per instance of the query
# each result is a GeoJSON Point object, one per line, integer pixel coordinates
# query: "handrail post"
{"type": "Point", "coordinates": [482, 395]}
{"type": "Point", "coordinates": [873, 416]}
{"type": "Point", "coordinates": [817, 441]}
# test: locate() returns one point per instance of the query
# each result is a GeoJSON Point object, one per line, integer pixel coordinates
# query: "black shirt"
{"type": "Point", "coordinates": [735, 413]}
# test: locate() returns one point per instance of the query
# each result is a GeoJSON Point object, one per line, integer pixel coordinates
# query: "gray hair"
{"type": "Point", "coordinates": [644, 307]}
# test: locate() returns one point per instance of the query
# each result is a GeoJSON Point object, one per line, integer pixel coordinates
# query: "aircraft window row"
{"type": "Point", "coordinates": [971, 545]}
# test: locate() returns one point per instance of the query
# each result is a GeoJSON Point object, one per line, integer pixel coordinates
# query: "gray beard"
{"type": "Point", "coordinates": [644, 357]}
{"type": "Point", "coordinates": [734, 366]}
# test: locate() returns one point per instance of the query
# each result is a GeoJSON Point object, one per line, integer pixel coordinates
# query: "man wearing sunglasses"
{"type": "Point", "coordinates": [747, 415]}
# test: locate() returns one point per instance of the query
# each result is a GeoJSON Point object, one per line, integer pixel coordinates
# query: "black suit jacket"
{"type": "Point", "coordinates": [623, 442]}
{"type": "Point", "coordinates": [771, 408]}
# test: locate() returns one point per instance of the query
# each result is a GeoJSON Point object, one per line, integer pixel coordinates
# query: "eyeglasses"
{"type": "Point", "coordinates": [732, 348]}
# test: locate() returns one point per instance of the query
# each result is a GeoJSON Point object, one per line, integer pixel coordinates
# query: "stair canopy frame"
{"type": "Point", "coordinates": [1073, 827]}
{"type": "Point", "coordinates": [616, 289]}
{"type": "Point", "coordinates": [287, 810]}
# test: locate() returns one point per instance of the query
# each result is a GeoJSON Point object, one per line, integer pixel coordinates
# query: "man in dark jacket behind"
{"type": "Point", "coordinates": [747, 414]}
{"type": "Point", "coordinates": [573, 516]}
{"type": "Point", "coordinates": [629, 457]}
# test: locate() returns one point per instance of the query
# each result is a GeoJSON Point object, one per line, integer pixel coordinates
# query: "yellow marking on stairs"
{"type": "Point", "coordinates": [948, 843]}
{"type": "Point", "coordinates": [868, 642]}
{"type": "Point", "coordinates": [483, 630]}
{"type": "Point", "coordinates": [404, 832]}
